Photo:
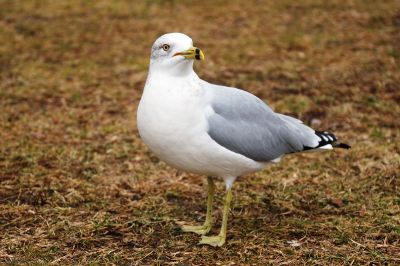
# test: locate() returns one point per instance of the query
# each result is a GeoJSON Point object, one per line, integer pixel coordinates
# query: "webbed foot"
{"type": "Point", "coordinates": [215, 241]}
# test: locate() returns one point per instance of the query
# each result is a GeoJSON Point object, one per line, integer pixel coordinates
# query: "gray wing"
{"type": "Point", "coordinates": [244, 124]}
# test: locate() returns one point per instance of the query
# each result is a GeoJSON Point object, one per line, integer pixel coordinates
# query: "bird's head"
{"type": "Point", "coordinates": [174, 53]}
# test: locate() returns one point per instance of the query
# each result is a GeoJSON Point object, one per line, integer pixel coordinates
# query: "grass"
{"type": "Point", "coordinates": [79, 187]}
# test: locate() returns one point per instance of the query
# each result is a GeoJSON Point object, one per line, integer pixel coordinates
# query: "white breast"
{"type": "Point", "coordinates": [172, 121]}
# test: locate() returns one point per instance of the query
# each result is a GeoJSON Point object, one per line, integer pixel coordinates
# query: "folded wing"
{"type": "Point", "coordinates": [244, 124]}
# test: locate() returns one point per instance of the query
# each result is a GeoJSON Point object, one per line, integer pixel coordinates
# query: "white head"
{"type": "Point", "coordinates": [173, 53]}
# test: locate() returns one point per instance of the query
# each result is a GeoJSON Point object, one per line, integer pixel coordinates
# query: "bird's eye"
{"type": "Point", "coordinates": [165, 47]}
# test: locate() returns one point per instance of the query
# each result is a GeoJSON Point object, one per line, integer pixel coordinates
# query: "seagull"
{"type": "Point", "coordinates": [213, 130]}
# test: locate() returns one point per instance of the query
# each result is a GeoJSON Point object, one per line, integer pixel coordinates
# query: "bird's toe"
{"type": "Point", "coordinates": [215, 241]}
{"type": "Point", "coordinates": [198, 229]}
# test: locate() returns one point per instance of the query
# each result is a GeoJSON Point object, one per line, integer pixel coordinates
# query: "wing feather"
{"type": "Point", "coordinates": [244, 124]}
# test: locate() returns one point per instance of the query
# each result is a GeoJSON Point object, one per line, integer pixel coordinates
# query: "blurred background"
{"type": "Point", "coordinates": [77, 185]}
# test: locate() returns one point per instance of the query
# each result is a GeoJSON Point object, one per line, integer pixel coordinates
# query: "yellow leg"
{"type": "Point", "coordinates": [219, 239]}
{"type": "Point", "coordinates": [206, 227]}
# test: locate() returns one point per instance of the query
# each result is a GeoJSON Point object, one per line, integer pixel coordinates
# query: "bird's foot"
{"type": "Point", "coordinates": [198, 229]}
{"type": "Point", "coordinates": [215, 241]}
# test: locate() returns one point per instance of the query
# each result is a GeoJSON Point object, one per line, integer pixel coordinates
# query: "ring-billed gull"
{"type": "Point", "coordinates": [213, 130]}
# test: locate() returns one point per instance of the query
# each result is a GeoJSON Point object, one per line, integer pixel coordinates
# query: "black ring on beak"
{"type": "Point", "coordinates": [197, 56]}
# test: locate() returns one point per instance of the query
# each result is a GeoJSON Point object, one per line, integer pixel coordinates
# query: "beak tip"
{"type": "Point", "coordinates": [199, 54]}
{"type": "Point", "coordinates": [192, 53]}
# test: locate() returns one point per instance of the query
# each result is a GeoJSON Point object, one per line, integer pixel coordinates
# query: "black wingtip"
{"type": "Point", "coordinates": [327, 138]}
{"type": "Point", "coordinates": [341, 145]}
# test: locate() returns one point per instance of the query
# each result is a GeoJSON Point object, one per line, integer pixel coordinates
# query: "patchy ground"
{"type": "Point", "coordinates": [79, 187]}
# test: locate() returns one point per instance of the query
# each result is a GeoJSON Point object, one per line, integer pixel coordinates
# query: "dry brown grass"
{"type": "Point", "coordinates": [79, 187]}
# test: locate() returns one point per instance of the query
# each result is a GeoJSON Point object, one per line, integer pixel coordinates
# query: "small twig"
{"type": "Point", "coordinates": [60, 258]}
{"type": "Point", "coordinates": [142, 258]}
{"type": "Point", "coordinates": [358, 244]}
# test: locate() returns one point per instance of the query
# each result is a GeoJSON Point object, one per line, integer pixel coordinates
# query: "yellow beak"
{"type": "Point", "coordinates": [192, 53]}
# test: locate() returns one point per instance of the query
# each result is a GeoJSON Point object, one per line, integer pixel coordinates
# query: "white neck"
{"type": "Point", "coordinates": [178, 69]}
